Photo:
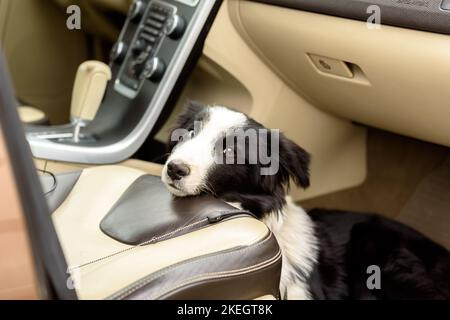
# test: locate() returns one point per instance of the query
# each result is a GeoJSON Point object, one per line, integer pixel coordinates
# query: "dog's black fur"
{"type": "Point", "coordinates": [412, 266]}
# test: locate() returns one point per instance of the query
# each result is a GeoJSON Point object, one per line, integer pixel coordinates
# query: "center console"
{"type": "Point", "coordinates": [156, 49]}
{"type": "Point", "coordinates": [142, 58]}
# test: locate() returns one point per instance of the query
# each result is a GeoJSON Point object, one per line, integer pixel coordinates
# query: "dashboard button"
{"type": "Point", "coordinates": [154, 69]}
{"type": "Point", "coordinates": [148, 38]}
{"type": "Point", "coordinates": [139, 46]}
{"type": "Point", "coordinates": [137, 10]}
{"type": "Point", "coordinates": [158, 17]}
{"type": "Point", "coordinates": [118, 52]}
{"type": "Point", "coordinates": [175, 27]}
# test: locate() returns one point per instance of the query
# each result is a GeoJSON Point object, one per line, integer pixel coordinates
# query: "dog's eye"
{"type": "Point", "coordinates": [187, 136]}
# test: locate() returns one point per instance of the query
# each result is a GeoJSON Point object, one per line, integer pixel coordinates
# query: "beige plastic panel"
{"type": "Point", "coordinates": [210, 84]}
{"type": "Point", "coordinates": [231, 73]}
{"type": "Point", "coordinates": [43, 55]}
{"type": "Point", "coordinates": [57, 167]}
{"type": "Point", "coordinates": [402, 82]}
{"type": "Point", "coordinates": [30, 114]}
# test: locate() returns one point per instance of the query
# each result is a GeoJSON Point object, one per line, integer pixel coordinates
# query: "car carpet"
{"type": "Point", "coordinates": [428, 210]}
{"type": "Point", "coordinates": [396, 166]}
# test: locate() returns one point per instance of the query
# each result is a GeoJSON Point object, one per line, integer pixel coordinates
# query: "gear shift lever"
{"type": "Point", "coordinates": [88, 91]}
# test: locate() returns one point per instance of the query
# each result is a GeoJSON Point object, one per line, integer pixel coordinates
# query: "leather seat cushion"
{"type": "Point", "coordinates": [235, 258]}
{"type": "Point", "coordinates": [146, 212]}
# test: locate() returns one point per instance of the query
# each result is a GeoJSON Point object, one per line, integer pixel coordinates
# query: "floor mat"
{"type": "Point", "coordinates": [428, 210]}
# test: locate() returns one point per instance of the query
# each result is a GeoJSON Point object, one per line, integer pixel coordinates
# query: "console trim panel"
{"type": "Point", "coordinates": [126, 147]}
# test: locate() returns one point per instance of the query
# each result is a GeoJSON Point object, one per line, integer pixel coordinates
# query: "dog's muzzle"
{"type": "Point", "coordinates": [177, 170]}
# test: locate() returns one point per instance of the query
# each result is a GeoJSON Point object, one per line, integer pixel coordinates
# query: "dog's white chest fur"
{"type": "Point", "coordinates": [295, 234]}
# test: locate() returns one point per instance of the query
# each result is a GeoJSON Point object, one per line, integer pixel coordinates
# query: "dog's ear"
{"type": "Point", "coordinates": [294, 162]}
{"type": "Point", "coordinates": [185, 120]}
{"type": "Point", "coordinates": [191, 110]}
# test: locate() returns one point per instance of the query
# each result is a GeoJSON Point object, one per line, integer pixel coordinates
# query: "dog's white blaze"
{"type": "Point", "coordinates": [198, 153]}
{"type": "Point", "coordinates": [295, 234]}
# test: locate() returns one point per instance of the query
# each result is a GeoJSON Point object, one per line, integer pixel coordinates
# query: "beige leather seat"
{"type": "Point", "coordinates": [125, 237]}
{"type": "Point", "coordinates": [31, 115]}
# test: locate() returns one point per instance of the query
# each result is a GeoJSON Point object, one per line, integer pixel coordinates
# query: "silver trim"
{"type": "Point", "coordinates": [123, 149]}
{"type": "Point", "coordinates": [191, 3]}
{"type": "Point", "coordinates": [440, 7]}
{"type": "Point", "coordinates": [54, 136]}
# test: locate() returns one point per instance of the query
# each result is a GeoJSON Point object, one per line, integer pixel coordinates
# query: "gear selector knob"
{"type": "Point", "coordinates": [88, 91]}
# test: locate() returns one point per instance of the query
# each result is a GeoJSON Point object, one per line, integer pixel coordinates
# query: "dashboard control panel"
{"type": "Point", "coordinates": [141, 61]}
{"type": "Point", "coordinates": [159, 45]}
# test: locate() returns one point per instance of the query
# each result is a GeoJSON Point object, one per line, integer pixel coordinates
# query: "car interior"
{"type": "Point", "coordinates": [369, 103]}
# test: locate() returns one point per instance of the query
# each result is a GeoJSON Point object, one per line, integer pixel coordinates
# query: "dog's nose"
{"type": "Point", "coordinates": [177, 169]}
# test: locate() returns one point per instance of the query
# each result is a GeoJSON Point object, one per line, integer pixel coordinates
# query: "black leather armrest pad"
{"type": "Point", "coordinates": [148, 213]}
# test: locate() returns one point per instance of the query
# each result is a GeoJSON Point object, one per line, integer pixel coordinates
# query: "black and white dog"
{"type": "Point", "coordinates": [326, 254]}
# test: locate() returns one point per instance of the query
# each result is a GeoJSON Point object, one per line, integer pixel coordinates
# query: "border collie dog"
{"type": "Point", "coordinates": [326, 254]}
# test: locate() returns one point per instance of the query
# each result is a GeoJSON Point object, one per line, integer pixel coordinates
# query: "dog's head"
{"type": "Point", "coordinates": [223, 152]}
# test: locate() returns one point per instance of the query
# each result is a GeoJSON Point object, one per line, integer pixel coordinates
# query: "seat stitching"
{"type": "Point", "coordinates": [142, 282]}
{"type": "Point", "coordinates": [152, 240]}
{"type": "Point", "coordinates": [225, 274]}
